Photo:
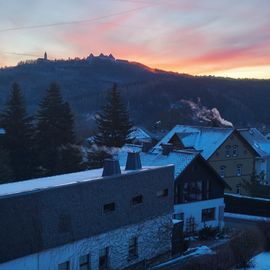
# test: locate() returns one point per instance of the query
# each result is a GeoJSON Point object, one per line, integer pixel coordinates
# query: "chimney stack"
{"type": "Point", "coordinates": [111, 167]}
{"type": "Point", "coordinates": [133, 161]}
{"type": "Point", "coordinates": [146, 146]}
{"type": "Point", "coordinates": [166, 148]}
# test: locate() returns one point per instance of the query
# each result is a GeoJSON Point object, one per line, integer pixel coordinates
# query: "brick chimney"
{"type": "Point", "coordinates": [133, 161]}
{"type": "Point", "coordinates": [166, 148]}
{"type": "Point", "coordinates": [111, 167]}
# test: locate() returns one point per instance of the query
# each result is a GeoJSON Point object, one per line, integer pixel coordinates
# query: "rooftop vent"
{"type": "Point", "coordinates": [111, 167]}
{"type": "Point", "coordinates": [166, 148]}
{"type": "Point", "coordinates": [133, 161]}
{"type": "Point", "coordinates": [146, 146]}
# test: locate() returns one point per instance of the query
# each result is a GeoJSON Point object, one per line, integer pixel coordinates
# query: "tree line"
{"type": "Point", "coordinates": [45, 144]}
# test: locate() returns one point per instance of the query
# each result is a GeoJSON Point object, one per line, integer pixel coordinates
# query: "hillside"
{"type": "Point", "coordinates": [152, 96]}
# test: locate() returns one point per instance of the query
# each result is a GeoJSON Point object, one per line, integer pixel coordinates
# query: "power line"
{"type": "Point", "coordinates": [21, 54]}
{"type": "Point", "coordinates": [70, 22]}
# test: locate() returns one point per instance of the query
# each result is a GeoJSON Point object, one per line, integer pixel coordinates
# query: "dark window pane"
{"type": "Point", "coordinates": [84, 262]}
{"type": "Point", "coordinates": [63, 266]}
{"type": "Point", "coordinates": [163, 193]}
{"type": "Point", "coordinates": [137, 200]}
{"type": "Point", "coordinates": [133, 248]}
{"type": "Point", "coordinates": [208, 214]}
{"type": "Point", "coordinates": [110, 207]}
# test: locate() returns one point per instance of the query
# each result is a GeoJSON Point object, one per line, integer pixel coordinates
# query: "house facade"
{"type": "Point", "coordinates": [261, 146]}
{"type": "Point", "coordinates": [85, 220]}
{"type": "Point", "coordinates": [234, 160]}
{"type": "Point", "coordinates": [198, 189]}
{"type": "Point", "coordinates": [225, 149]}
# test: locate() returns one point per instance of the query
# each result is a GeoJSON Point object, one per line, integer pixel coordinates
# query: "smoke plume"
{"type": "Point", "coordinates": [207, 115]}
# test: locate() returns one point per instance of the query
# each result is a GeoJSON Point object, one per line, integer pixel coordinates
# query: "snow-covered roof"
{"type": "Point", "coordinates": [203, 139]}
{"type": "Point", "coordinates": [56, 181]}
{"type": "Point", "coordinates": [180, 159]}
{"type": "Point", "coordinates": [257, 141]}
{"type": "Point", "coordinates": [139, 134]}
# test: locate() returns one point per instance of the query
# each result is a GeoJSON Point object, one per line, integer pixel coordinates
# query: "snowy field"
{"type": "Point", "coordinates": [261, 261]}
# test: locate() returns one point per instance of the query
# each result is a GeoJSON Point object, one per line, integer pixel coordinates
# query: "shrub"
{"type": "Point", "coordinates": [244, 246]}
{"type": "Point", "coordinates": [264, 228]}
{"type": "Point", "coordinates": [208, 233]}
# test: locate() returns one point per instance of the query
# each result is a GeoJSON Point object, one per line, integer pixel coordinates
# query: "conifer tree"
{"type": "Point", "coordinates": [113, 129]}
{"type": "Point", "coordinates": [18, 138]}
{"type": "Point", "coordinates": [55, 134]}
{"type": "Point", "coordinates": [113, 124]}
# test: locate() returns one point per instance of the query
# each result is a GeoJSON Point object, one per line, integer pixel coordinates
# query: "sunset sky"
{"type": "Point", "coordinates": [217, 37]}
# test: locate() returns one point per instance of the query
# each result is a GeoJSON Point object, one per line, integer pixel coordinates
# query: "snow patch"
{"type": "Point", "coordinates": [245, 217]}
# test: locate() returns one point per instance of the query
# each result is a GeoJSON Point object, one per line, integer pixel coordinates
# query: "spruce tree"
{"type": "Point", "coordinates": [18, 138]}
{"type": "Point", "coordinates": [55, 134]}
{"type": "Point", "coordinates": [113, 129]}
{"type": "Point", "coordinates": [113, 124]}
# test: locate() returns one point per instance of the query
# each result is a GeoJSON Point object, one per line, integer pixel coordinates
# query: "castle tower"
{"type": "Point", "coordinates": [45, 56]}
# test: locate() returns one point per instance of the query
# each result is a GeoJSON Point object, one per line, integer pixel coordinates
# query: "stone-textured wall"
{"type": "Point", "coordinates": [154, 238]}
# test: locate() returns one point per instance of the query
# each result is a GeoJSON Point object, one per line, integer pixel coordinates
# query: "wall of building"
{"type": "Point", "coordinates": [44, 219]}
{"type": "Point", "coordinates": [262, 165]}
{"type": "Point", "coordinates": [244, 156]}
{"type": "Point", "coordinates": [154, 238]}
{"type": "Point", "coordinates": [194, 209]}
{"type": "Point", "coordinates": [199, 170]}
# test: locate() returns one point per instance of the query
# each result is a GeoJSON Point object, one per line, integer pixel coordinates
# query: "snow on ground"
{"type": "Point", "coordinates": [247, 197]}
{"type": "Point", "coordinates": [191, 252]}
{"type": "Point", "coordinates": [246, 217]}
{"type": "Point", "coordinates": [261, 261]}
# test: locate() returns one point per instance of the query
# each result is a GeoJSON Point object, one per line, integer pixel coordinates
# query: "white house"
{"type": "Point", "coordinates": [198, 189]}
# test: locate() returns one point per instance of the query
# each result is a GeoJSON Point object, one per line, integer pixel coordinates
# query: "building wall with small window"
{"type": "Point", "coordinates": [262, 168]}
{"type": "Point", "coordinates": [234, 161]}
{"type": "Point", "coordinates": [197, 215]}
{"type": "Point", "coordinates": [113, 250]}
{"type": "Point", "coordinates": [55, 226]}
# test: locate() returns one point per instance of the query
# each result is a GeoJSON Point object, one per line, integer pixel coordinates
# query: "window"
{"type": "Point", "coordinates": [235, 151]}
{"type": "Point", "coordinates": [85, 262]}
{"type": "Point", "coordinates": [133, 248]}
{"type": "Point", "coordinates": [238, 189]}
{"type": "Point", "coordinates": [163, 193]}
{"type": "Point", "coordinates": [190, 225]}
{"type": "Point", "coordinates": [109, 207]}
{"type": "Point", "coordinates": [208, 214]}
{"type": "Point", "coordinates": [222, 171]}
{"type": "Point", "coordinates": [137, 200]}
{"type": "Point", "coordinates": [103, 258]}
{"type": "Point", "coordinates": [208, 190]}
{"type": "Point", "coordinates": [228, 151]}
{"type": "Point", "coordinates": [63, 266]}
{"type": "Point", "coordinates": [178, 216]}
{"type": "Point", "coordinates": [192, 191]}
{"type": "Point", "coordinates": [239, 169]}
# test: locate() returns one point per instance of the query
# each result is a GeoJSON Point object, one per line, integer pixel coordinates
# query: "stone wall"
{"type": "Point", "coordinates": [154, 238]}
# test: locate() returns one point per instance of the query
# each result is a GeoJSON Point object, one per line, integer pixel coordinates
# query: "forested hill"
{"type": "Point", "coordinates": [152, 96]}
